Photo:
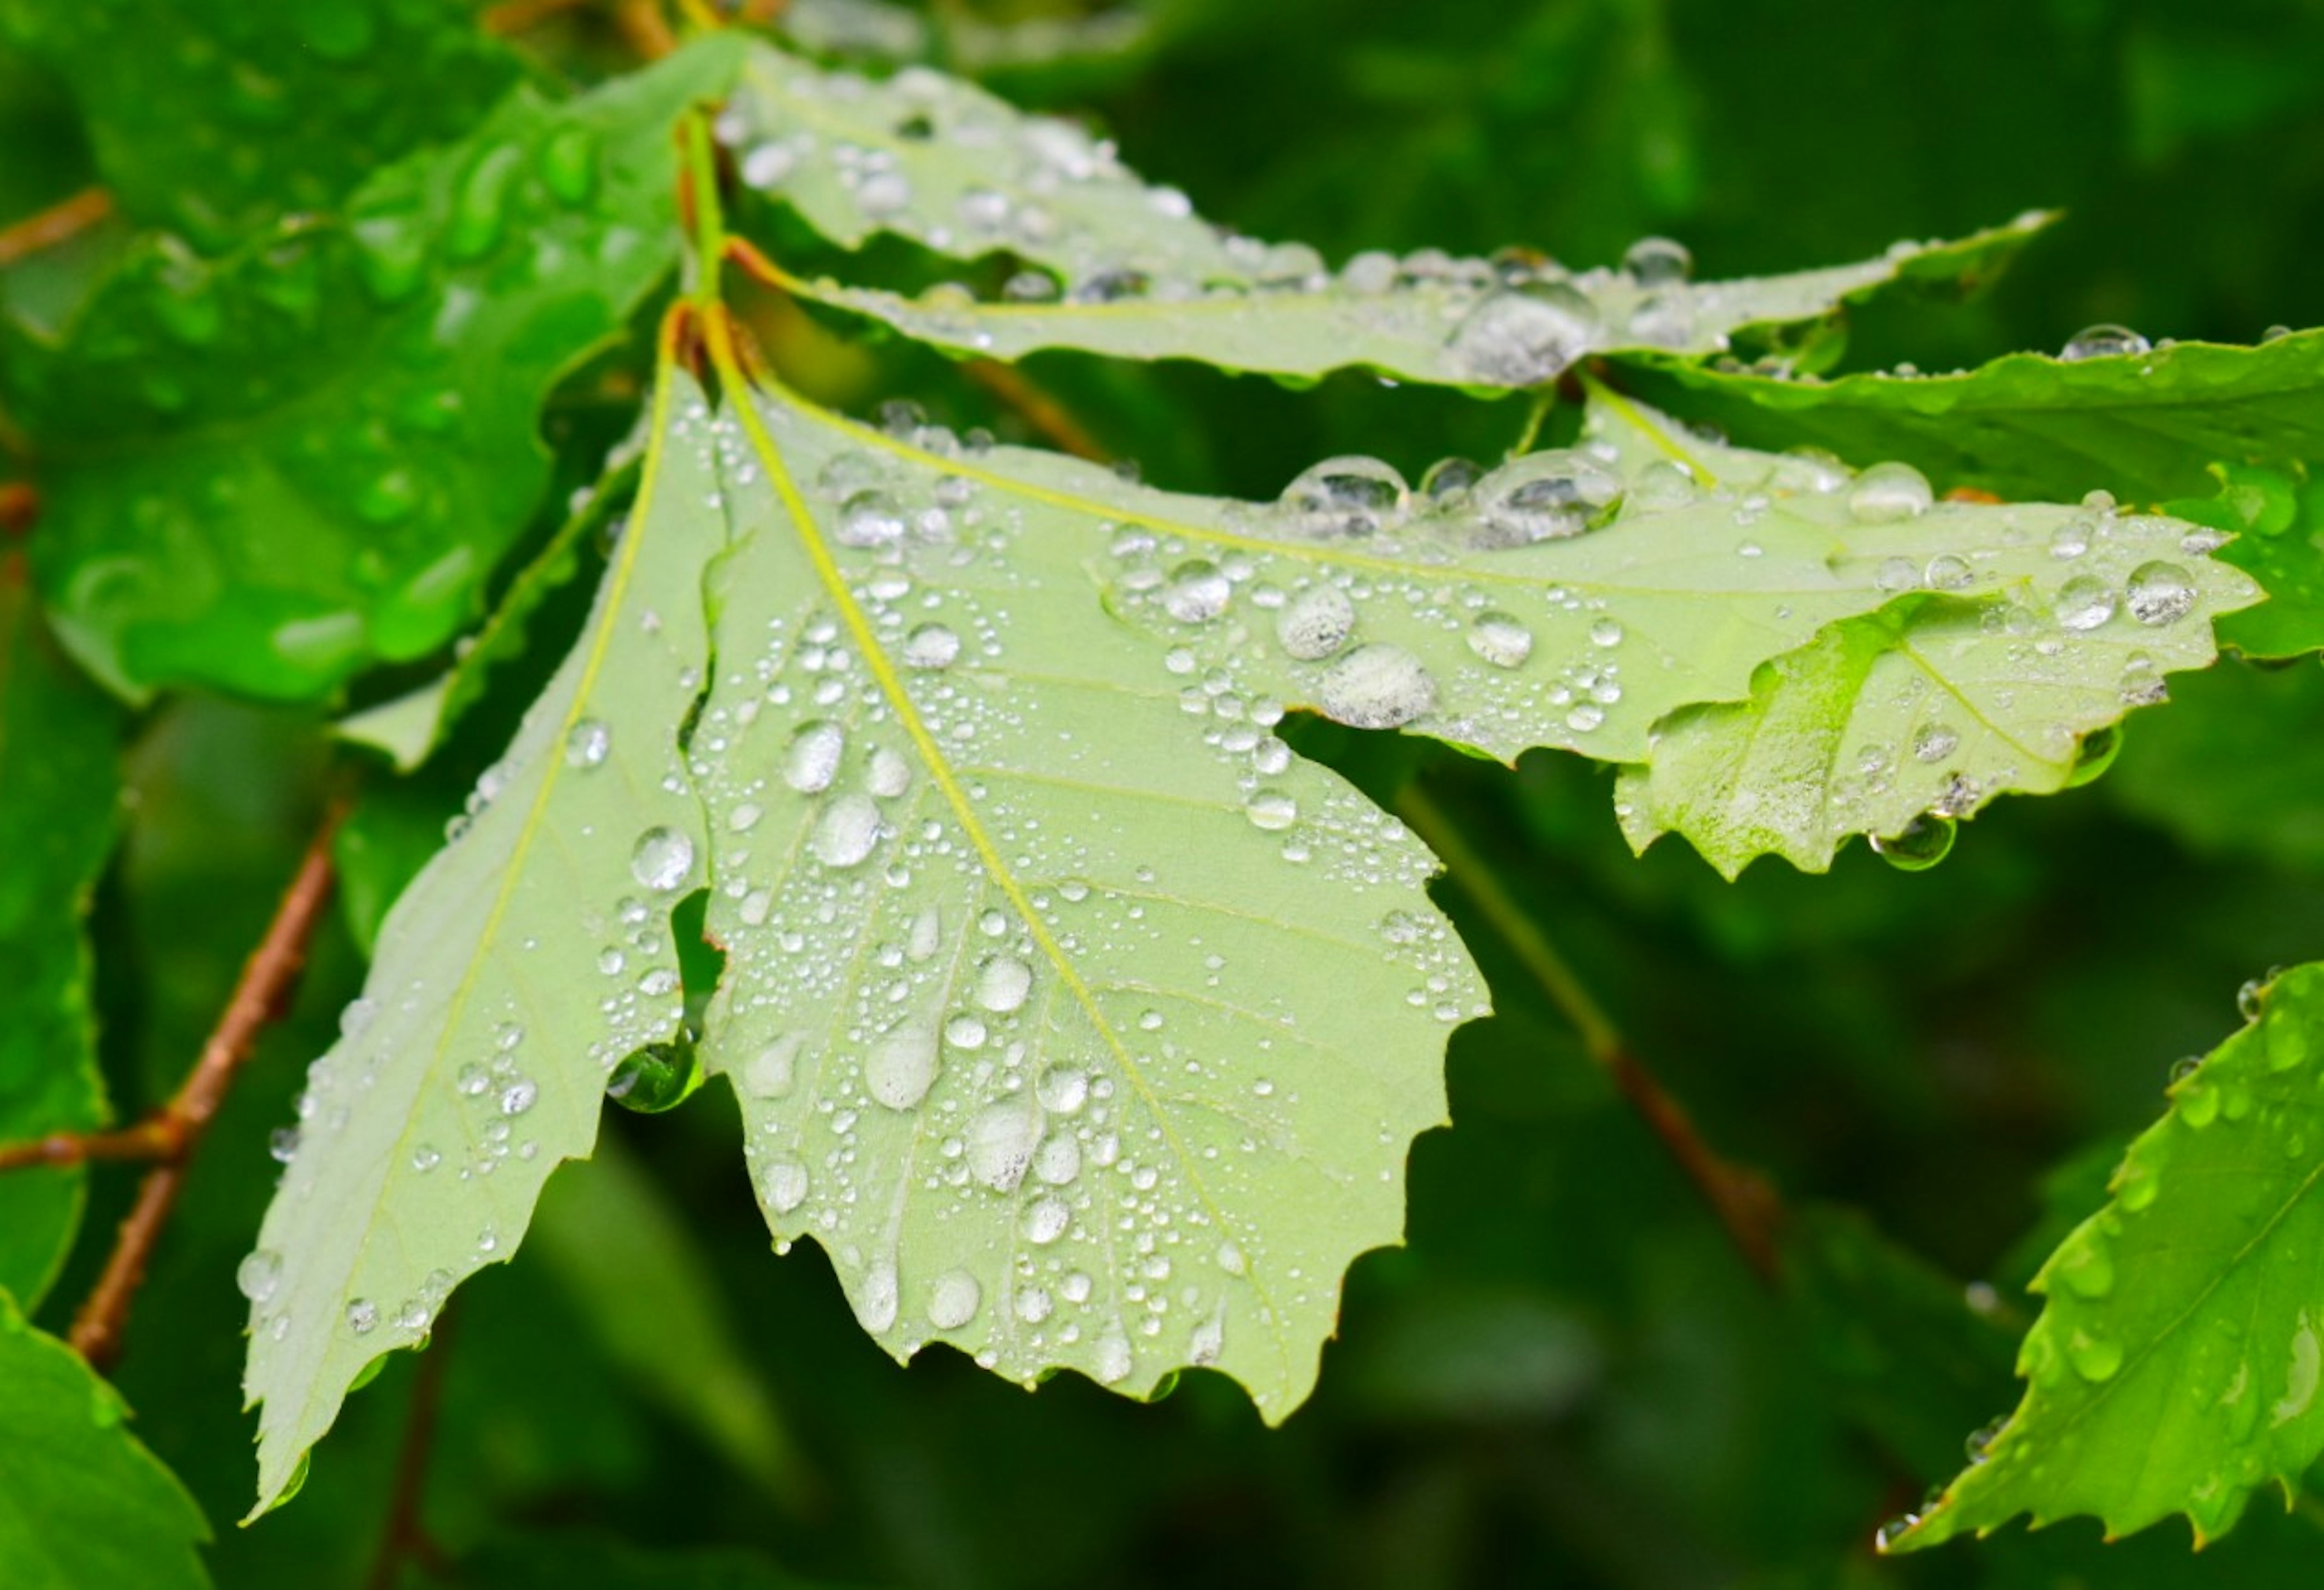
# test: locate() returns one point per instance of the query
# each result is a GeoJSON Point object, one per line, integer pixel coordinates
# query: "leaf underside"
{"type": "Point", "coordinates": [2176, 1363]}
{"type": "Point", "coordinates": [1116, 267]}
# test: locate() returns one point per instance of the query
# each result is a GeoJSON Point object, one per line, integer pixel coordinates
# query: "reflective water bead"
{"type": "Point", "coordinates": [1919, 845]}
{"type": "Point", "coordinates": [1657, 261]}
{"type": "Point", "coordinates": [1002, 982]}
{"type": "Point", "coordinates": [2084, 602]}
{"type": "Point", "coordinates": [1271, 809]}
{"type": "Point", "coordinates": [587, 743]}
{"type": "Point", "coordinates": [2103, 342]}
{"type": "Point", "coordinates": [662, 859]}
{"type": "Point", "coordinates": [931, 646]}
{"type": "Point", "coordinates": [1500, 640]}
{"type": "Point", "coordinates": [1524, 337]}
{"type": "Point", "coordinates": [258, 1274]}
{"type": "Point", "coordinates": [1315, 623]}
{"type": "Point", "coordinates": [1934, 743]}
{"type": "Point", "coordinates": [1376, 686]}
{"type": "Point", "coordinates": [1543, 496]}
{"type": "Point", "coordinates": [902, 1065]}
{"type": "Point", "coordinates": [1344, 496]}
{"type": "Point", "coordinates": [1889, 492]}
{"type": "Point", "coordinates": [871, 519]}
{"type": "Point", "coordinates": [1197, 592]}
{"type": "Point", "coordinates": [2160, 594]}
{"type": "Point", "coordinates": [811, 760]}
{"type": "Point", "coordinates": [848, 831]}
{"type": "Point", "coordinates": [953, 1300]}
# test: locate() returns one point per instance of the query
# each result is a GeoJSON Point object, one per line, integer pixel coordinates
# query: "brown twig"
{"type": "Point", "coordinates": [405, 1538]}
{"type": "Point", "coordinates": [20, 508]}
{"type": "Point", "coordinates": [514, 16]}
{"type": "Point", "coordinates": [645, 28]}
{"type": "Point", "coordinates": [48, 227]}
{"type": "Point", "coordinates": [178, 1128]}
{"type": "Point", "coordinates": [1037, 409]}
{"type": "Point", "coordinates": [1742, 1198]}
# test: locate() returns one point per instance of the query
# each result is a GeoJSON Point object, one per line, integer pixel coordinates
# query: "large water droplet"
{"type": "Point", "coordinates": [1000, 1141]}
{"type": "Point", "coordinates": [847, 831]}
{"type": "Point", "coordinates": [871, 519]}
{"type": "Point", "coordinates": [811, 760]}
{"type": "Point", "coordinates": [1500, 640]}
{"type": "Point", "coordinates": [1657, 261]}
{"type": "Point", "coordinates": [1889, 492]}
{"type": "Point", "coordinates": [952, 1299]}
{"type": "Point", "coordinates": [876, 1301]}
{"type": "Point", "coordinates": [1002, 982]}
{"type": "Point", "coordinates": [662, 859]}
{"type": "Point", "coordinates": [1197, 592]}
{"type": "Point", "coordinates": [1922, 843]}
{"type": "Point", "coordinates": [258, 1274]}
{"type": "Point", "coordinates": [771, 1072]}
{"type": "Point", "coordinates": [2085, 602]}
{"type": "Point", "coordinates": [1377, 687]}
{"type": "Point", "coordinates": [902, 1065]}
{"type": "Point", "coordinates": [2160, 594]}
{"type": "Point", "coordinates": [1542, 497]}
{"type": "Point", "coordinates": [2103, 342]}
{"type": "Point", "coordinates": [1271, 809]}
{"type": "Point", "coordinates": [1524, 337]}
{"type": "Point", "coordinates": [1344, 496]}
{"type": "Point", "coordinates": [783, 1185]}
{"type": "Point", "coordinates": [1315, 623]}
{"type": "Point", "coordinates": [931, 646]}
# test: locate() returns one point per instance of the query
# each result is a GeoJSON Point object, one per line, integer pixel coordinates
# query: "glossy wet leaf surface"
{"type": "Point", "coordinates": [265, 108]}
{"type": "Point", "coordinates": [267, 473]}
{"type": "Point", "coordinates": [2175, 1365]}
{"type": "Point", "coordinates": [1113, 265]}
{"type": "Point", "coordinates": [60, 788]}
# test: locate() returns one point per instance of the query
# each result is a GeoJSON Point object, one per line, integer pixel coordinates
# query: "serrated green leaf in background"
{"type": "Point", "coordinates": [1138, 274]}
{"type": "Point", "coordinates": [1074, 1042]}
{"type": "Point", "coordinates": [526, 960]}
{"type": "Point", "coordinates": [266, 473]}
{"type": "Point", "coordinates": [2145, 425]}
{"type": "Point", "coordinates": [2234, 767]}
{"type": "Point", "coordinates": [83, 1504]}
{"type": "Point", "coordinates": [60, 803]}
{"type": "Point", "coordinates": [234, 114]}
{"type": "Point", "coordinates": [2276, 514]}
{"type": "Point", "coordinates": [2176, 1364]}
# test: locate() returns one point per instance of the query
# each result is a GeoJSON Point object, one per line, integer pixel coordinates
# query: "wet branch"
{"type": "Point", "coordinates": [47, 228]}
{"type": "Point", "coordinates": [1742, 1200]}
{"type": "Point", "coordinates": [169, 1138]}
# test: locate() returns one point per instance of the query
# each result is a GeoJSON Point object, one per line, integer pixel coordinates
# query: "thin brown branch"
{"type": "Point", "coordinates": [177, 1129]}
{"type": "Point", "coordinates": [515, 16]}
{"type": "Point", "coordinates": [1743, 1201]}
{"type": "Point", "coordinates": [20, 508]}
{"type": "Point", "coordinates": [48, 227]}
{"type": "Point", "coordinates": [405, 1537]}
{"type": "Point", "coordinates": [1037, 409]}
{"type": "Point", "coordinates": [645, 28]}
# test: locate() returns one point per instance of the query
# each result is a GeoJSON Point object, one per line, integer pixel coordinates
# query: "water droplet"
{"type": "Point", "coordinates": [1934, 743]}
{"type": "Point", "coordinates": [2084, 602]}
{"type": "Point", "coordinates": [952, 1299]}
{"type": "Point", "coordinates": [662, 859]}
{"type": "Point", "coordinates": [888, 774]}
{"type": "Point", "coordinates": [2093, 1357]}
{"type": "Point", "coordinates": [1377, 687]}
{"type": "Point", "coordinates": [1606, 632]}
{"type": "Point", "coordinates": [1113, 1356]}
{"type": "Point", "coordinates": [1657, 261]}
{"type": "Point", "coordinates": [1315, 623]}
{"type": "Point", "coordinates": [1001, 1140]}
{"type": "Point", "coordinates": [811, 760]}
{"type": "Point", "coordinates": [1889, 492]}
{"type": "Point", "coordinates": [1197, 591]}
{"type": "Point", "coordinates": [363, 1316]}
{"type": "Point", "coordinates": [258, 1274]}
{"type": "Point", "coordinates": [931, 646]}
{"type": "Point", "coordinates": [2086, 1264]}
{"type": "Point", "coordinates": [876, 1301]}
{"type": "Point", "coordinates": [1543, 497]}
{"type": "Point", "coordinates": [2070, 540]}
{"type": "Point", "coordinates": [1271, 809]}
{"type": "Point", "coordinates": [783, 1185]}
{"type": "Point", "coordinates": [870, 518]}
{"type": "Point", "coordinates": [1063, 1089]}
{"type": "Point", "coordinates": [1524, 337]}
{"type": "Point", "coordinates": [848, 831]}
{"type": "Point", "coordinates": [1500, 640]}
{"type": "Point", "coordinates": [768, 164]}
{"type": "Point", "coordinates": [1002, 982]}
{"type": "Point", "coordinates": [2095, 755]}
{"type": "Point", "coordinates": [2160, 594]}
{"type": "Point", "coordinates": [518, 1097]}
{"type": "Point", "coordinates": [2103, 342]}
{"type": "Point", "coordinates": [1343, 498]}
{"type": "Point", "coordinates": [1923, 842]}
{"type": "Point", "coordinates": [1946, 572]}
{"type": "Point", "coordinates": [587, 744]}
{"type": "Point", "coordinates": [771, 1072]}
{"type": "Point", "coordinates": [1045, 1221]}
{"type": "Point", "coordinates": [902, 1065]}
{"type": "Point", "coordinates": [426, 1158]}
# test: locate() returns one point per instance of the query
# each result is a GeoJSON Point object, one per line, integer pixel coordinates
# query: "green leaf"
{"type": "Point", "coordinates": [2276, 515]}
{"type": "Point", "coordinates": [2146, 426]}
{"type": "Point", "coordinates": [475, 1061]}
{"type": "Point", "coordinates": [83, 1504]}
{"type": "Point", "coordinates": [59, 793]}
{"type": "Point", "coordinates": [1138, 275]}
{"type": "Point", "coordinates": [2004, 671]}
{"type": "Point", "coordinates": [2175, 1365]}
{"type": "Point", "coordinates": [268, 473]}
{"type": "Point", "coordinates": [263, 109]}
{"type": "Point", "coordinates": [1079, 1031]}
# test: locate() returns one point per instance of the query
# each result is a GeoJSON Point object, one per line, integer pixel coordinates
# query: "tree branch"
{"type": "Point", "coordinates": [1742, 1198]}
{"type": "Point", "coordinates": [405, 1538]}
{"type": "Point", "coordinates": [170, 1136]}
{"type": "Point", "coordinates": [1036, 408]}
{"type": "Point", "coordinates": [48, 227]}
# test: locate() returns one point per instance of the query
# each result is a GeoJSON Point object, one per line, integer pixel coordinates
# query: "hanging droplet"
{"type": "Point", "coordinates": [1922, 843]}
{"type": "Point", "coordinates": [655, 1077]}
{"type": "Point", "coordinates": [2095, 755]}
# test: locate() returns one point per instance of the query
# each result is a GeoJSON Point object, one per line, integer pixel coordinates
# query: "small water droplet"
{"type": "Point", "coordinates": [847, 832]}
{"type": "Point", "coordinates": [1886, 492]}
{"type": "Point", "coordinates": [662, 859]}
{"type": "Point", "coordinates": [953, 1300]}
{"type": "Point", "coordinates": [1271, 809]}
{"type": "Point", "coordinates": [1002, 983]}
{"type": "Point", "coordinates": [1197, 592]}
{"type": "Point", "coordinates": [1934, 743]}
{"type": "Point", "coordinates": [258, 1274]}
{"type": "Point", "coordinates": [1657, 261]}
{"type": "Point", "coordinates": [1500, 640]}
{"type": "Point", "coordinates": [2103, 342]}
{"type": "Point", "coordinates": [2084, 603]}
{"type": "Point", "coordinates": [587, 744]}
{"type": "Point", "coordinates": [931, 646]}
{"type": "Point", "coordinates": [363, 1316]}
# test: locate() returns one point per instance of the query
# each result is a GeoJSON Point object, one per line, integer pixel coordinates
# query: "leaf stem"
{"type": "Point", "coordinates": [705, 218]}
{"type": "Point", "coordinates": [178, 1129]}
{"type": "Point", "coordinates": [1742, 1200]}
{"type": "Point", "coordinates": [1036, 408]}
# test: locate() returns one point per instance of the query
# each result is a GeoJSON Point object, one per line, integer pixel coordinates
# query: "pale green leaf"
{"type": "Point", "coordinates": [1080, 1030]}
{"type": "Point", "coordinates": [1136, 273]}
{"type": "Point", "coordinates": [83, 1504]}
{"type": "Point", "coordinates": [2176, 1363]}
{"type": "Point", "coordinates": [526, 960]}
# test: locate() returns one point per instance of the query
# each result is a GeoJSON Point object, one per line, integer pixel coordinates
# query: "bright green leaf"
{"type": "Point", "coordinates": [1136, 273]}
{"type": "Point", "coordinates": [83, 1504]}
{"type": "Point", "coordinates": [477, 1062]}
{"type": "Point", "coordinates": [2146, 426]}
{"type": "Point", "coordinates": [60, 790]}
{"type": "Point", "coordinates": [2276, 514]}
{"type": "Point", "coordinates": [2175, 1366]}
{"type": "Point", "coordinates": [262, 109]}
{"type": "Point", "coordinates": [267, 473]}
